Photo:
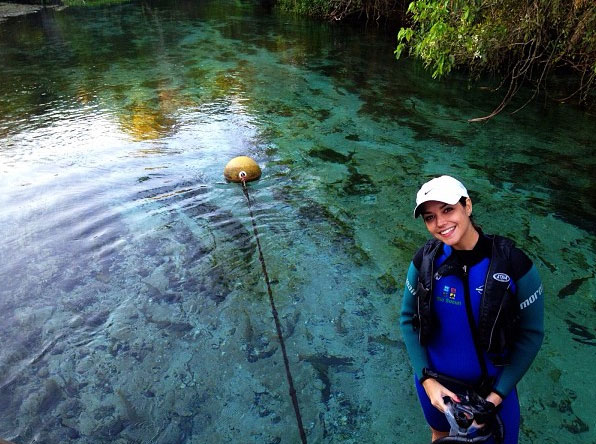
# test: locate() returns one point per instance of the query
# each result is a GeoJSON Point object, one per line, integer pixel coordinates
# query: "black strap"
{"type": "Point", "coordinates": [447, 381]}
{"type": "Point", "coordinates": [485, 383]}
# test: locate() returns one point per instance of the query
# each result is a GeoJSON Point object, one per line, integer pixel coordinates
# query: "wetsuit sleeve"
{"type": "Point", "coordinates": [531, 302]}
{"type": "Point", "coordinates": [416, 352]}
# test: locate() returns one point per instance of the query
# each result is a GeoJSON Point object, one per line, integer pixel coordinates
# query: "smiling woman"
{"type": "Point", "coordinates": [450, 223]}
{"type": "Point", "coordinates": [474, 287]}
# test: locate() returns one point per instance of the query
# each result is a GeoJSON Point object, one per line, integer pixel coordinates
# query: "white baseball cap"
{"type": "Point", "coordinates": [442, 189]}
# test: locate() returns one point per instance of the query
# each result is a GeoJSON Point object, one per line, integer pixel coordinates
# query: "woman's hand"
{"type": "Point", "coordinates": [436, 391]}
{"type": "Point", "coordinates": [494, 398]}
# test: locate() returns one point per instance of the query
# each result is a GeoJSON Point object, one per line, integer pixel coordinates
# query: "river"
{"type": "Point", "coordinates": [134, 306]}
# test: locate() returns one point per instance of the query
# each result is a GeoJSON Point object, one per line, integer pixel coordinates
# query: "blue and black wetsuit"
{"type": "Point", "coordinates": [453, 350]}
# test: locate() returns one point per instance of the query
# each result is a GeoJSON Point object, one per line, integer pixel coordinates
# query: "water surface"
{"type": "Point", "coordinates": [134, 307]}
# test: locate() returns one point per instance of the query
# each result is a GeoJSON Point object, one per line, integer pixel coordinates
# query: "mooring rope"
{"type": "Point", "coordinates": [276, 318]}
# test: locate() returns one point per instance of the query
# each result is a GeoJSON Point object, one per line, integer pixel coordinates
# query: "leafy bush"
{"type": "Point", "coordinates": [342, 9]}
{"type": "Point", "coordinates": [521, 40]}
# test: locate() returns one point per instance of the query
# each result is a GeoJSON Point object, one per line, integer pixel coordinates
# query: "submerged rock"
{"type": "Point", "coordinates": [52, 395]}
{"type": "Point", "coordinates": [130, 410]}
{"type": "Point", "coordinates": [97, 319]}
{"type": "Point", "coordinates": [111, 428]}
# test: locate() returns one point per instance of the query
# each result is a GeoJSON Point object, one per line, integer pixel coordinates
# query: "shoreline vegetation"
{"type": "Point", "coordinates": [546, 47]}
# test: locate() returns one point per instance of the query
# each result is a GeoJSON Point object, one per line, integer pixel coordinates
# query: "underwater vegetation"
{"type": "Point", "coordinates": [572, 287]}
{"type": "Point", "coordinates": [581, 334]}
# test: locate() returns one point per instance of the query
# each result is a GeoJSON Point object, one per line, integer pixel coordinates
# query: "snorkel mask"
{"type": "Point", "coordinates": [473, 420]}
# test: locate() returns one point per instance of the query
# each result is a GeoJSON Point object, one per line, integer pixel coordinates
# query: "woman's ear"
{"type": "Point", "coordinates": [469, 206]}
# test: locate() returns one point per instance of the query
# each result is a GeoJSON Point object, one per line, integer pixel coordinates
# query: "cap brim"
{"type": "Point", "coordinates": [451, 201]}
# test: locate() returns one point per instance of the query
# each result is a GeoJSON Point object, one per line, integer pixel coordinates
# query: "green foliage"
{"type": "Point", "coordinates": [450, 33]}
{"type": "Point", "coordinates": [316, 8]}
{"type": "Point", "coordinates": [342, 9]}
{"type": "Point", "coordinates": [518, 41]}
{"type": "Point", "coordinates": [522, 40]}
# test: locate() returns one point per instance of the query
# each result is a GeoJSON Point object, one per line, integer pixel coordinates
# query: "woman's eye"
{"type": "Point", "coordinates": [447, 209]}
{"type": "Point", "coordinates": [428, 218]}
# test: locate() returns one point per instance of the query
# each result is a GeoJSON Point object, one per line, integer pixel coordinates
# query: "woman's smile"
{"type": "Point", "coordinates": [447, 232]}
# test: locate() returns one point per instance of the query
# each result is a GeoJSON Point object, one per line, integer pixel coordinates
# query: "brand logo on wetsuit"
{"type": "Point", "coordinates": [533, 298]}
{"type": "Point", "coordinates": [501, 277]}
{"type": "Point", "coordinates": [480, 289]}
{"type": "Point", "coordinates": [449, 292]}
{"type": "Point", "coordinates": [449, 296]}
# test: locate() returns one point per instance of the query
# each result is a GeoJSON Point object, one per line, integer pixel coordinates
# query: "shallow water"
{"type": "Point", "coordinates": [134, 306]}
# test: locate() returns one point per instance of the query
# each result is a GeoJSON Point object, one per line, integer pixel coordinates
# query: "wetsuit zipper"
{"type": "Point", "coordinates": [492, 252]}
{"type": "Point", "coordinates": [492, 330]}
{"type": "Point", "coordinates": [473, 327]}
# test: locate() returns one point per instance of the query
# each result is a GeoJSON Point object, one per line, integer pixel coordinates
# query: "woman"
{"type": "Point", "coordinates": [472, 311]}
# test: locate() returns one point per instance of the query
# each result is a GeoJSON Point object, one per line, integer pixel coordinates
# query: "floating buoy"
{"type": "Point", "coordinates": [242, 169]}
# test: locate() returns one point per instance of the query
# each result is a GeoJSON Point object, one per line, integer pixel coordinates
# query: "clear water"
{"type": "Point", "coordinates": [133, 303]}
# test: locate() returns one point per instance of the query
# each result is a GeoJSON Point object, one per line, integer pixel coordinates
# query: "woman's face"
{"type": "Point", "coordinates": [451, 224]}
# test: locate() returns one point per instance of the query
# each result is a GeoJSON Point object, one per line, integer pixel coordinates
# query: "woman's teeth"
{"type": "Point", "coordinates": [447, 231]}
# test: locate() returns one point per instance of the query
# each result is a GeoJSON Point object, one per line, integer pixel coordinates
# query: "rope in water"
{"type": "Point", "coordinates": [276, 318]}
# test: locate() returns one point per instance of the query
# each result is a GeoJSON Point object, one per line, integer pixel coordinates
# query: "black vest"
{"type": "Point", "coordinates": [499, 310]}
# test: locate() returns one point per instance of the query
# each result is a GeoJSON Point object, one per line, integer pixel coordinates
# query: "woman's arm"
{"type": "Point", "coordinates": [531, 331]}
{"type": "Point", "coordinates": [416, 352]}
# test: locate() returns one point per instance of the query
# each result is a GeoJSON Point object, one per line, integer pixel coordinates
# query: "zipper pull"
{"type": "Point", "coordinates": [465, 267]}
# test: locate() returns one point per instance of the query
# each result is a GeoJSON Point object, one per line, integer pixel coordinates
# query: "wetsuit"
{"type": "Point", "coordinates": [451, 350]}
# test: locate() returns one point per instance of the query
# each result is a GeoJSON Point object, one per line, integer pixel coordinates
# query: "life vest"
{"type": "Point", "coordinates": [499, 311]}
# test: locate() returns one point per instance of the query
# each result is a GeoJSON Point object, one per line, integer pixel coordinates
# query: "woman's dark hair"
{"type": "Point", "coordinates": [462, 201]}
